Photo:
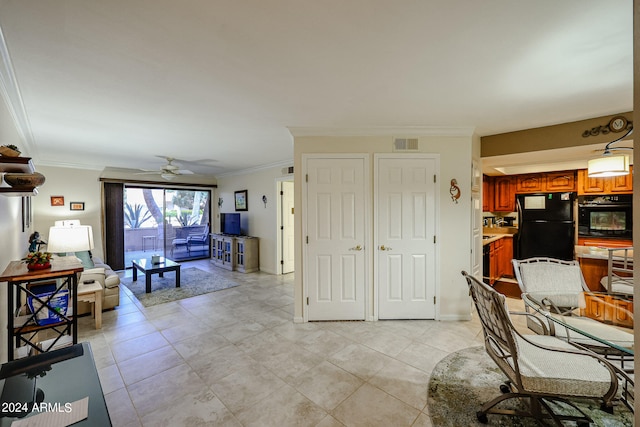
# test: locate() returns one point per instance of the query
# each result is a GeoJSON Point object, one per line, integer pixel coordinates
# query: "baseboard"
{"type": "Point", "coordinates": [297, 319]}
{"type": "Point", "coordinates": [455, 317]}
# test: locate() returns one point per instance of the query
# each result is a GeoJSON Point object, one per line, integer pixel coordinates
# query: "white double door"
{"type": "Point", "coordinates": [337, 240]}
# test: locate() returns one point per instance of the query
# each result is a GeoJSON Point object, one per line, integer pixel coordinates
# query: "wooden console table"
{"type": "Point", "coordinates": [23, 330]}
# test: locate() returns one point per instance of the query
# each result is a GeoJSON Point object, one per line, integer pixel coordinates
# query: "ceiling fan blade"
{"type": "Point", "coordinates": [148, 173]}
{"type": "Point", "coordinates": [184, 172]}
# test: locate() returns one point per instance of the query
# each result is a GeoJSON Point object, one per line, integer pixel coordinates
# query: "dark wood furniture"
{"type": "Point", "coordinates": [147, 267]}
{"type": "Point", "coordinates": [23, 331]}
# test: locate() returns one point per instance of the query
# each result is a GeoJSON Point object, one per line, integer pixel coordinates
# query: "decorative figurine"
{"type": "Point", "coordinates": [35, 242]}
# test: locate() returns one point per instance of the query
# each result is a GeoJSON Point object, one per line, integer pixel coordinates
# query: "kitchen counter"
{"type": "Point", "coordinates": [492, 234]}
{"type": "Point", "coordinates": [598, 252]}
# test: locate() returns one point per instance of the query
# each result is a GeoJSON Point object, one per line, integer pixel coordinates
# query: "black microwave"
{"type": "Point", "coordinates": [606, 216]}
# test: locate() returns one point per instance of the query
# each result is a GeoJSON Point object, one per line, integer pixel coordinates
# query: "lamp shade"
{"type": "Point", "coordinates": [70, 239]}
{"type": "Point", "coordinates": [67, 223]}
{"type": "Point", "coordinates": [608, 166]}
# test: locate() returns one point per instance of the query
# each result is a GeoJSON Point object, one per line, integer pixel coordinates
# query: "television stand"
{"type": "Point", "coordinates": [235, 253]}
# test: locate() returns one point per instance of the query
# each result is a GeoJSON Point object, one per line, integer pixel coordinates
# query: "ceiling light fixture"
{"type": "Point", "coordinates": [168, 176]}
{"type": "Point", "coordinates": [610, 164]}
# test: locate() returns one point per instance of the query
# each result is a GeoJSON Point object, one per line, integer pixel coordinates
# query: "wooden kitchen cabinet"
{"type": "Point", "coordinates": [615, 184]}
{"type": "Point", "coordinates": [530, 183]}
{"type": "Point", "coordinates": [504, 199]}
{"type": "Point", "coordinates": [507, 256]}
{"type": "Point", "coordinates": [560, 181]}
{"type": "Point", "coordinates": [487, 194]}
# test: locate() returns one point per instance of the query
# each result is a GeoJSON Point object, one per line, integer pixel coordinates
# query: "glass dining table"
{"type": "Point", "coordinates": [569, 317]}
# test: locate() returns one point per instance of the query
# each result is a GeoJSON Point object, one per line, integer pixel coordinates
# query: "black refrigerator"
{"type": "Point", "coordinates": [545, 225]}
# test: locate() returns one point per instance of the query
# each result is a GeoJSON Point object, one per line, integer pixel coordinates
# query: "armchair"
{"type": "Point", "coordinates": [541, 369]}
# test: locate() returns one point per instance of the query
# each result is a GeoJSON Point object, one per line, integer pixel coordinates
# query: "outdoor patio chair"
{"type": "Point", "coordinates": [559, 286]}
{"type": "Point", "coordinates": [199, 239]}
{"type": "Point", "coordinates": [543, 371]}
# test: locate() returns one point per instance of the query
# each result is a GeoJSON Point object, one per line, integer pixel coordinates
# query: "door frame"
{"type": "Point", "coordinates": [376, 158]}
{"type": "Point", "coordinates": [279, 214]}
{"type": "Point", "coordinates": [368, 313]}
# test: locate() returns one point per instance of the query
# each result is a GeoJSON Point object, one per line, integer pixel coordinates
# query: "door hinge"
{"type": "Point", "coordinates": [306, 178]}
{"type": "Point", "coordinates": [434, 178]}
{"type": "Point", "coordinates": [434, 300]}
{"type": "Point", "coordinates": [281, 262]}
{"type": "Point", "coordinates": [282, 227]}
{"type": "Point", "coordinates": [434, 240]}
{"type": "Point", "coordinates": [307, 300]}
{"type": "Point", "coordinates": [281, 193]}
{"type": "Point", "coordinates": [307, 240]}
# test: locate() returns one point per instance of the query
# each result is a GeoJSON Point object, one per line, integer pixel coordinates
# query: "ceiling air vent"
{"type": "Point", "coordinates": [405, 144]}
{"type": "Point", "coordinates": [287, 171]}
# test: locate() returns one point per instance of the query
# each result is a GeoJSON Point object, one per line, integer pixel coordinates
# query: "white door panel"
{"type": "Point", "coordinates": [288, 231]}
{"type": "Point", "coordinates": [405, 232]}
{"type": "Point", "coordinates": [336, 235]}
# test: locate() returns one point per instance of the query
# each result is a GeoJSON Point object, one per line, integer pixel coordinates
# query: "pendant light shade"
{"type": "Point", "coordinates": [608, 166]}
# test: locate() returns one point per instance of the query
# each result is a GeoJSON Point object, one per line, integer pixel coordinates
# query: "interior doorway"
{"type": "Point", "coordinates": [285, 239]}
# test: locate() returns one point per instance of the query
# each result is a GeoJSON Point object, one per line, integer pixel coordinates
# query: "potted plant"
{"type": "Point", "coordinates": [38, 260]}
{"type": "Point", "coordinates": [9, 150]}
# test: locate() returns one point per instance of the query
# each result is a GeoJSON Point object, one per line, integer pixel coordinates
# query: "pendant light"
{"type": "Point", "coordinates": [610, 164]}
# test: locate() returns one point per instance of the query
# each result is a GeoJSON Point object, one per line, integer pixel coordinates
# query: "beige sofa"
{"type": "Point", "coordinates": [110, 282]}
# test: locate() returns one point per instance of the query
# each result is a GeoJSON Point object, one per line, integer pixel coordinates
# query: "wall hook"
{"type": "Point", "coordinates": [264, 200]}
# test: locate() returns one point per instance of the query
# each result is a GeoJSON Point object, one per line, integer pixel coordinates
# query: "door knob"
{"type": "Point", "coordinates": [357, 248]}
{"type": "Point", "coordinates": [385, 248]}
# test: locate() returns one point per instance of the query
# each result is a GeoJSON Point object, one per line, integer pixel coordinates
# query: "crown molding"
{"type": "Point", "coordinates": [282, 163]}
{"type": "Point", "coordinates": [414, 131]}
{"type": "Point", "coordinates": [10, 92]}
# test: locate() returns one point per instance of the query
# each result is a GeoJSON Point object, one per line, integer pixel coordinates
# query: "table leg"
{"type": "Point", "coordinates": [135, 273]}
{"type": "Point", "coordinates": [178, 277]}
{"type": "Point", "coordinates": [98, 309]}
{"type": "Point", "coordinates": [161, 274]}
{"type": "Point", "coordinates": [147, 282]}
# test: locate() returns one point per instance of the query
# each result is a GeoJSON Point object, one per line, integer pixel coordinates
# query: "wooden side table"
{"type": "Point", "coordinates": [92, 293]}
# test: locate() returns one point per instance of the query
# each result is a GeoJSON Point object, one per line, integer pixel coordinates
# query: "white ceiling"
{"type": "Point", "coordinates": [116, 83]}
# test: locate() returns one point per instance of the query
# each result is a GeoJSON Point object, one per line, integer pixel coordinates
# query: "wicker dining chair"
{"type": "Point", "coordinates": [542, 370]}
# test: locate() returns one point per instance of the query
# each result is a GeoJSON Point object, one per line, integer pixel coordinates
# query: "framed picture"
{"type": "Point", "coordinates": [57, 200]}
{"type": "Point", "coordinates": [241, 200]}
{"type": "Point", "coordinates": [76, 206]}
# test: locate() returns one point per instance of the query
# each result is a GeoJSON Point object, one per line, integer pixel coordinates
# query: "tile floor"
{"type": "Point", "coordinates": [235, 357]}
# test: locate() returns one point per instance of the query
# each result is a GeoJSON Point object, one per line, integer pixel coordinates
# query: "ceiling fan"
{"type": "Point", "coordinates": [168, 171]}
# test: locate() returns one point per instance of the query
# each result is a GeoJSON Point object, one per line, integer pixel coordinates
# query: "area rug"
{"type": "Point", "coordinates": [464, 380]}
{"type": "Point", "coordinates": [193, 281]}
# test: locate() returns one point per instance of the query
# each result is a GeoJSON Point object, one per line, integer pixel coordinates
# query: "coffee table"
{"type": "Point", "coordinates": [148, 268]}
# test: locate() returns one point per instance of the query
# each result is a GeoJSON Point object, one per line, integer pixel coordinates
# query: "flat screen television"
{"type": "Point", "coordinates": [230, 223]}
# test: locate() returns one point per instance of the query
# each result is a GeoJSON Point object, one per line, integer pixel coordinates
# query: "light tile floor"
{"type": "Point", "coordinates": [235, 357]}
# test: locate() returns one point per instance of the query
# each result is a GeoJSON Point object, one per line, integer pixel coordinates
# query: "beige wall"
{"type": "Point", "coordinates": [454, 219]}
{"type": "Point", "coordinates": [548, 137]}
{"type": "Point", "coordinates": [76, 185]}
{"type": "Point", "coordinates": [261, 219]}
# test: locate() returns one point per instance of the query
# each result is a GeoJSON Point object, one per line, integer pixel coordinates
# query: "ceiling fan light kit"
{"type": "Point", "coordinates": [169, 171]}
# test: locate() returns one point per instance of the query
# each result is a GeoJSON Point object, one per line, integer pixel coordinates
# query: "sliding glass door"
{"type": "Point", "coordinates": [170, 222]}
